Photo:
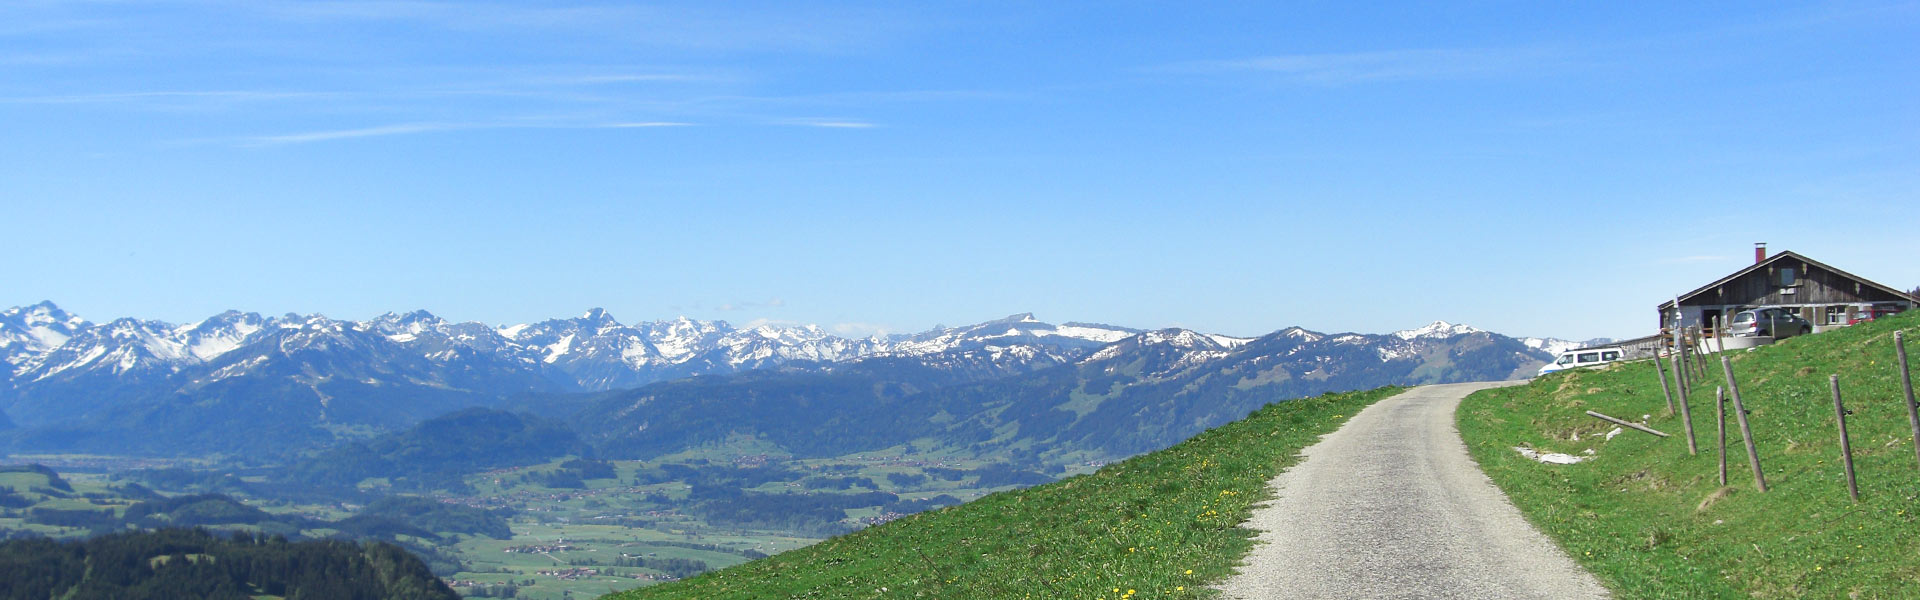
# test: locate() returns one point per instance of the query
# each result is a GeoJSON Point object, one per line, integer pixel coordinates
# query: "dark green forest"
{"type": "Point", "coordinates": [192, 563]}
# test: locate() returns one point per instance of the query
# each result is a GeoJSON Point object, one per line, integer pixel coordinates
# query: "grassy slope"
{"type": "Point", "coordinates": [1160, 525]}
{"type": "Point", "coordinates": [1653, 522]}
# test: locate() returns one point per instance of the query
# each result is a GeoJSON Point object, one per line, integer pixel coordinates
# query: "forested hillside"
{"type": "Point", "coordinates": [436, 453]}
{"type": "Point", "coordinates": [1142, 393]}
{"type": "Point", "coordinates": [182, 563]}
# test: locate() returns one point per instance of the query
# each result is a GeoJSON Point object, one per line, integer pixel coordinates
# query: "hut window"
{"type": "Point", "coordinates": [1787, 277]}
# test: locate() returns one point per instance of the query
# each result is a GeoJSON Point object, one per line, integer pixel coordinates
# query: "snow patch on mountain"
{"type": "Point", "coordinates": [558, 349]}
{"type": "Point", "coordinates": [1097, 334]}
{"type": "Point", "coordinates": [1229, 341]}
{"type": "Point", "coordinates": [1020, 329]}
{"type": "Point", "coordinates": [1437, 329]}
{"type": "Point", "coordinates": [1301, 333]}
{"type": "Point", "coordinates": [1392, 353]}
{"type": "Point", "coordinates": [1186, 348]}
{"type": "Point", "coordinates": [594, 351]}
{"type": "Point", "coordinates": [32, 330]}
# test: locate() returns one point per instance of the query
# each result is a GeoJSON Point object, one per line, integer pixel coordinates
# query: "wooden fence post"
{"type": "Point", "coordinates": [1720, 417]}
{"type": "Point", "coordinates": [1682, 380]}
{"type": "Point", "coordinates": [1681, 354]}
{"type": "Point", "coordinates": [1679, 381]}
{"type": "Point", "coordinates": [1662, 373]}
{"type": "Point", "coordinates": [1679, 332]}
{"type": "Point", "coordinates": [1699, 353]}
{"type": "Point", "coordinates": [1906, 379]}
{"type": "Point", "coordinates": [1846, 449]}
{"type": "Point", "coordinates": [1740, 412]}
{"type": "Point", "coordinates": [1686, 417]}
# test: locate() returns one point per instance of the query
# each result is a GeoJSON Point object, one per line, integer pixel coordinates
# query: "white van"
{"type": "Point", "coordinates": [1580, 358]}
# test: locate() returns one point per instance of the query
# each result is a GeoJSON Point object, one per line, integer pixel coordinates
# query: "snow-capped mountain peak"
{"type": "Point", "coordinates": [219, 334]}
{"type": "Point", "coordinates": [1020, 330]}
{"type": "Point", "coordinates": [29, 330]}
{"type": "Point", "coordinates": [1014, 318]}
{"type": "Point", "coordinates": [1180, 338]}
{"type": "Point", "coordinates": [1437, 329]}
{"type": "Point", "coordinates": [594, 351]}
{"type": "Point", "coordinates": [45, 313]}
{"type": "Point", "coordinates": [1164, 352]}
{"type": "Point", "coordinates": [1228, 341]}
{"type": "Point", "coordinates": [1302, 334]}
{"type": "Point", "coordinates": [512, 332]}
{"type": "Point", "coordinates": [598, 316]}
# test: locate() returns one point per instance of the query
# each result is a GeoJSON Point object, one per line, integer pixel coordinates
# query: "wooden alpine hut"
{"type": "Point", "coordinates": [1823, 295]}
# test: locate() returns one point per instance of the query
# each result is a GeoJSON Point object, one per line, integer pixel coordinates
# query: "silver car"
{"type": "Point", "coordinates": [1769, 322]}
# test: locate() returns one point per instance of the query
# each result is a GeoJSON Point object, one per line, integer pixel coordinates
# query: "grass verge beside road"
{"type": "Point", "coordinates": [1653, 522]}
{"type": "Point", "coordinates": [1159, 525]}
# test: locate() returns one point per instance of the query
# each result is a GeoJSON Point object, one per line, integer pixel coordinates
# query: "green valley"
{"type": "Point", "coordinates": [1162, 524]}
{"type": "Point", "coordinates": [542, 494]}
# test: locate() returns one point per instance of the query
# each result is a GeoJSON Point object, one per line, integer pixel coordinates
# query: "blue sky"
{"type": "Point", "coordinates": [1527, 168]}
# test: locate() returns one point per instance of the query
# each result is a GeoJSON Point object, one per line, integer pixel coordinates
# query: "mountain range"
{"type": "Point", "coordinates": [308, 381]}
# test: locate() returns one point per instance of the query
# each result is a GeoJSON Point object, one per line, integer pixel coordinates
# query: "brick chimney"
{"type": "Point", "coordinates": [1759, 252]}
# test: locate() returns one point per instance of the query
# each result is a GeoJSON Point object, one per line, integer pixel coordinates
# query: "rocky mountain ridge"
{"type": "Point", "coordinates": [307, 380]}
{"type": "Point", "coordinates": [592, 352]}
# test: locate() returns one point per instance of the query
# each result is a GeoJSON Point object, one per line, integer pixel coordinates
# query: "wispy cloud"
{"type": "Point", "coordinates": [645, 124]}
{"type": "Point", "coordinates": [871, 97]}
{"type": "Point", "coordinates": [1376, 66]}
{"type": "Point", "coordinates": [630, 78]}
{"type": "Point", "coordinates": [554, 92]}
{"type": "Point", "coordinates": [342, 134]}
{"type": "Point", "coordinates": [692, 26]}
{"type": "Point", "coordinates": [830, 123]}
{"type": "Point", "coordinates": [445, 14]}
{"type": "Point", "coordinates": [415, 128]}
{"type": "Point", "coordinates": [191, 95]}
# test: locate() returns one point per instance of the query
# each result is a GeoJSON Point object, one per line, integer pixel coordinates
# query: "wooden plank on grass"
{"type": "Point", "coordinates": [1627, 424]}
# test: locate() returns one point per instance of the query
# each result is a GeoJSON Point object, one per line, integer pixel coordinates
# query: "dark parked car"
{"type": "Point", "coordinates": [1870, 314]}
{"type": "Point", "coordinates": [1769, 322]}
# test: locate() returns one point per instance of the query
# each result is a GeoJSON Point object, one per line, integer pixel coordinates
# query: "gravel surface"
{"type": "Point", "coordinates": [1391, 506]}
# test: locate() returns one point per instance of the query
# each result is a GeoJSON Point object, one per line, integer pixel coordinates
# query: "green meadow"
{"type": "Point", "coordinates": [1653, 521]}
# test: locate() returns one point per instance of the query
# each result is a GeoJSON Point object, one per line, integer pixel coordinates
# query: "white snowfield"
{"type": "Point", "coordinates": [598, 352]}
{"type": "Point", "coordinates": [43, 341]}
{"type": "Point", "coordinates": [1440, 329]}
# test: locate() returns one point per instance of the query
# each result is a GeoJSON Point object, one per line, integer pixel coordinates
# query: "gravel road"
{"type": "Point", "coordinates": [1391, 506]}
